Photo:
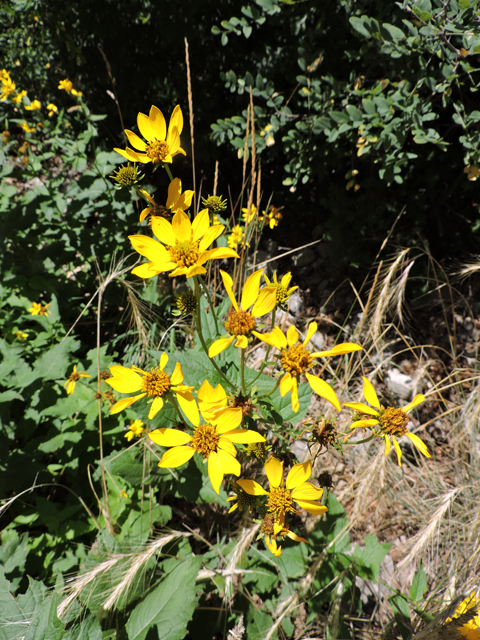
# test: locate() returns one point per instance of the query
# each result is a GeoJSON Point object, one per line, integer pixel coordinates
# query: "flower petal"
{"type": "Point", "coordinates": [174, 192]}
{"type": "Point", "coordinates": [338, 350]}
{"type": "Point", "coordinates": [227, 446]}
{"type": "Point", "coordinates": [324, 390]}
{"type": "Point", "coordinates": [286, 384]}
{"type": "Point", "coordinates": [228, 284]}
{"type": "Point", "coordinates": [274, 471]}
{"type": "Point", "coordinates": [219, 345]}
{"type": "Point", "coordinates": [252, 488]}
{"type": "Point", "coordinates": [175, 457]}
{"type": "Point", "coordinates": [215, 471]}
{"type": "Point", "coordinates": [145, 127]}
{"type": "Point", "coordinates": [169, 437]}
{"type": "Point", "coordinates": [243, 436]}
{"type": "Point", "coordinates": [312, 327]}
{"type": "Point", "coordinates": [183, 202]}
{"type": "Point", "coordinates": [163, 230]}
{"type": "Point", "coordinates": [188, 406]}
{"type": "Point", "coordinates": [292, 335]}
{"type": "Point", "coordinates": [419, 443]}
{"type": "Point", "coordinates": [369, 393]}
{"type": "Point", "coordinates": [361, 424]}
{"type": "Point", "coordinates": [182, 227]}
{"type": "Point", "coordinates": [163, 361]}
{"type": "Point", "coordinates": [251, 289]}
{"type": "Point", "coordinates": [124, 403]}
{"type": "Point", "coordinates": [200, 224]}
{"type": "Point", "coordinates": [417, 400]}
{"type": "Point", "coordinates": [158, 126]}
{"type": "Point", "coordinates": [211, 234]}
{"type": "Point", "coordinates": [298, 474]}
{"type": "Point", "coordinates": [312, 507]}
{"type": "Point", "coordinates": [271, 543]}
{"type": "Point", "coordinates": [275, 338]}
{"type": "Point", "coordinates": [177, 375]}
{"type": "Point", "coordinates": [229, 463]}
{"type": "Point", "coordinates": [128, 154]}
{"type": "Point", "coordinates": [295, 402]}
{"type": "Point", "coordinates": [242, 342]}
{"type": "Point", "coordinates": [221, 252]}
{"type": "Point", "coordinates": [398, 450]}
{"type": "Point", "coordinates": [155, 407]}
{"type": "Point", "coordinates": [124, 379]}
{"type": "Point", "coordinates": [266, 302]}
{"type": "Point", "coordinates": [307, 491]}
{"type": "Point", "coordinates": [176, 119]}
{"type": "Point", "coordinates": [228, 420]}
{"type": "Point", "coordinates": [149, 248]}
{"type": "Point", "coordinates": [361, 408]}
{"type": "Point", "coordinates": [293, 536]}
{"type": "Point", "coordinates": [135, 141]}
{"type": "Point", "coordinates": [150, 269]}
{"type": "Point", "coordinates": [387, 445]}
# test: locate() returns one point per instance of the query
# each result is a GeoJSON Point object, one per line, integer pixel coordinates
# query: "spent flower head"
{"type": "Point", "coordinates": [214, 204]}
{"type": "Point", "coordinates": [186, 302]}
{"type": "Point", "coordinates": [127, 175]}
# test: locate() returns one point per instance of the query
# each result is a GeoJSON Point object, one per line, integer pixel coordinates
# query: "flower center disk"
{"type": "Point", "coordinates": [156, 383]}
{"type": "Point", "coordinates": [157, 150]}
{"type": "Point", "coordinates": [296, 360]}
{"type": "Point", "coordinates": [240, 323]}
{"type": "Point", "coordinates": [205, 440]}
{"type": "Point", "coordinates": [280, 501]}
{"type": "Point", "coordinates": [394, 422]}
{"type": "Point", "coordinates": [185, 254]}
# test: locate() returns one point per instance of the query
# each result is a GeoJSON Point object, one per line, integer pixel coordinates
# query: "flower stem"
{"type": "Point", "coordinates": [266, 395]}
{"type": "Point", "coordinates": [269, 348]}
{"type": "Point", "coordinates": [242, 371]}
{"type": "Point", "coordinates": [173, 400]}
{"type": "Point", "coordinates": [210, 302]}
{"type": "Point", "coordinates": [167, 169]}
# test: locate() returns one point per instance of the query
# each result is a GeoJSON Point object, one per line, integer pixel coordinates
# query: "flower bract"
{"type": "Point", "coordinates": [392, 422]}
{"type": "Point", "coordinates": [73, 378]}
{"type": "Point", "coordinates": [183, 248]}
{"type": "Point", "coordinates": [296, 360]}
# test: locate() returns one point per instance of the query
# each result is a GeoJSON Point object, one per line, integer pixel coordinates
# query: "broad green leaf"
{"type": "Point", "coordinates": [419, 584]}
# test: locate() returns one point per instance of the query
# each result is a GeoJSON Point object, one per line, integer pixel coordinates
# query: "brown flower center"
{"type": "Point", "coordinates": [156, 383]}
{"type": "Point", "coordinates": [394, 422]}
{"type": "Point", "coordinates": [157, 150]}
{"type": "Point", "coordinates": [74, 377]}
{"type": "Point", "coordinates": [184, 254]}
{"type": "Point", "coordinates": [240, 323]}
{"type": "Point", "coordinates": [282, 294]}
{"type": "Point", "coordinates": [205, 440]}
{"type": "Point", "coordinates": [296, 360]}
{"type": "Point", "coordinates": [280, 501]}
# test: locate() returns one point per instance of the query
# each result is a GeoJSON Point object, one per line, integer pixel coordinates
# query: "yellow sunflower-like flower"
{"type": "Point", "coordinates": [135, 430]}
{"type": "Point", "coordinates": [66, 85]}
{"type": "Point", "coordinates": [297, 489]}
{"type": "Point", "coordinates": [282, 290]}
{"type": "Point", "coordinates": [295, 360]}
{"type": "Point", "coordinates": [471, 629]}
{"type": "Point", "coordinates": [214, 440]}
{"type": "Point", "coordinates": [272, 216]}
{"type": "Point", "coordinates": [241, 322]}
{"type": "Point", "coordinates": [249, 215]}
{"type": "Point", "coordinates": [160, 146]}
{"type": "Point", "coordinates": [176, 201]}
{"type": "Point", "coordinates": [392, 422]}
{"type": "Point", "coordinates": [26, 127]}
{"type": "Point", "coordinates": [186, 249]}
{"type": "Point", "coordinates": [154, 383]}
{"type": "Point", "coordinates": [273, 531]}
{"type": "Point", "coordinates": [20, 335]}
{"type": "Point", "coordinates": [7, 86]}
{"type": "Point", "coordinates": [33, 106]}
{"type": "Point", "coordinates": [17, 98]}
{"type": "Point", "coordinates": [38, 309]}
{"type": "Point", "coordinates": [51, 109]}
{"type": "Point", "coordinates": [237, 237]}
{"type": "Point", "coordinates": [73, 378]}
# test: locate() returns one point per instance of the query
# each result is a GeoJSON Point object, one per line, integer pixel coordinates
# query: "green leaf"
{"type": "Point", "coordinates": [359, 26]}
{"type": "Point", "coordinates": [53, 364]}
{"type": "Point", "coordinates": [419, 584]}
{"type": "Point", "coordinates": [354, 113]}
{"type": "Point", "coordinates": [170, 606]}
{"type": "Point", "coordinates": [394, 32]}
{"type": "Point", "coordinates": [339, 116]}
{"type": "Point", "coordinates": [371, 557]}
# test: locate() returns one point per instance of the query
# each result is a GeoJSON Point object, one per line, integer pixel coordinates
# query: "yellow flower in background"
{"type": "Point", "coordinates": [186, 249]}
{"type": "Point", "coordinates": [214, 440]}
{"type": "Point", "coordinates": [20, 335]}
{"type": "Point", "coordinates": [26, 127]}
{"type": "Point", "coordinates": [392, 422]}
{"type": "Point", "coordinates": [176, 201]}
{"type": "Point", "coordinates": [282, 291]}
{"type": "Point", "coordinates": [154, 383]}
{"type": "Point", "coordinates": [471, 629]}
{"type": "Point", "coordinates": [33, 106]}
{"type": "Point", "coordinates": [295, 360]}
{"type": "Point", "coordinates": [76, 93]}
{"type": "Point", "coordinates": [241, 322]}
{"type": "Point", "coordinates": [237, 237]}
{"type": "Point", "coordinates": [17, 98]}
{"type": "Point", "coordinates": [135, 430]}
{"type": "Point", "coordinates": [7, 85]}
{"type": "Point", "coordinates": [247, 215]}
{"type": "Point", "coordinates": [273, 531]}
{"type": "Point", "coordinates": [272, 216]}
{"type": "Point", "coordinates": [51, 109]}
{"type": "Point", "coordinates": [160, 146]}
{"type": "Point", "coordinates": [297, 489]}
{"type": "Point", "coordinates": [38, 309]}
{"type": "Point", "coordinates": [66, 85]}
{"type": "Point", "coordinates": [73, 378]}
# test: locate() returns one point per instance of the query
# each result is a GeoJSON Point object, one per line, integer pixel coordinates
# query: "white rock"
{"type": "Point", "coordinates": [399, 383]}
{"type": "Point", "coordinates": [304, 257]}
{"type": "Point", "coordinates": [295, 303]}
{"type": "Point", "coordinates": [318, 341]}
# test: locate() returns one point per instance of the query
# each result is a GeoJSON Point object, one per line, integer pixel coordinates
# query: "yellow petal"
{"type": "Point", "coordinates": [212, 234]}
{"type": "Point", "coordinates": [387, 445]}
{"type": "Point", "coordinates": [176, 119]}
{"type": "Point", "coordinates": [419, 443]}
{"type": "Point", "coordinates": [177, 375]}
{"type": "Point", "coordinates": [135, 141]}
{"type": "Point", "coordinates": [235, 506]}
{"type": "Point", "coordinates": [293, 536]}
{"type": "Point", "coordinates": [128, 154]}
{"type": "Point", "coordinates": [251, 289]}
{"type": "Point", "coordinates": [324, 390]}
{"type": "Point", "coordinates": [173, 141]}
{"type": "Point", "coordinates": [71, 386]}
{"type": "Point", "coordinates": [252, 488]}
{"type": "Point", "coordinates": [124, 403]}
{"type": "Point", "coordinates": [271, 543]}
{"type": "Point", "coordinates": [307, 491]}
{"type": "Point", "coordinates": [215, 471]}
{"type": "Point", "coordinates": [398, 450]}
{"type": "Point", "coordinates": [176, 457]}
{"type": "Point", "coordinates": [183, 202]}
{"type": "Point", "coordinates": [361, 408]}
{"type": "Point", "coordinates": [219, 345]}
{"type": "Point", "coordinates": [211, 399]}
{"type": "Point", "coordinates": [222, 252]}
{"type": "Point", "coordinates": [298, 474]}
{"type": "Point", "coordinates": [145, 127]}
{"type": "Point", "coordinates": [312, 507]}
{"type": "Point", "coordinates": [266, 302]}
{"type": "Point", "coordinates": [163, 230]}
{"type": "Point", "coordinates": [295, 402]}
{"type": "Point", "coordinates": [292, 335]}
{"type": "Point", "coordinates": [417, 400]}
{"type": "Point", "coordinates": [275, 338]}
{"type": "Point", "coordinates": [155, 407]}
{"type": "Point", "coordinates": [182, 227]}
{"type": "Point", "coordinates": [227, 446]}
{"type": "Point", "coordinates": [369, 394]}
{"type": "Point", "coordinates": [229, 463]}
{"type": "Point", "coordinates": [174, 192]}
{"type": "Point", "coordinates": [242, 342]}
{"type": "Point", "coordinates": [338, 350]}
{"type": "Point", "coordinates": [201, 224]}
{"type": "Point", "coordinates": [274, 471]}
{"type": "Point", "coordinates": [124, 379]}
{"type": "Point", "coordinates": [312, 327]}
{"type": "Point", "coordinates": [169, 437]}
{"type": "Point", "coordinates": [163, 361]}
{"type": "Point", "coordinates": [195, 270]}
{"type": "Point", "coordinates": [144, 214]}
{"type": "Point", "coordinates": [228, 420]}
{"type": "Point", "coordinates": [149, 248]}
{"type": "Point", "coordinates": [158, 125]}
{"type": "Point", "coordinates": [286, 384]}
{"type": "Point", "coordinates": [188, 406]}
{"type": "Point", "coordinates": [243, 436]}
{"type": "Point", "coordinates": [361, 424]}
{"type": "Point", "coordinates": [228, 284]}
{"type": "Point", "coordinates": [149, 269]}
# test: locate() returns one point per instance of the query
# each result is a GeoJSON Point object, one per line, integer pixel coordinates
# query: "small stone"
{"type": "Point", "coordinates": [300, 449]}
{"type": "Point", "coordinates": [318, 341]}
{"type": "Point", "coordinates": [304, 257]}
{"type": "Point", "coordinates": [399, 383]}
{"type": "Point", "coordinates": [295, 303]}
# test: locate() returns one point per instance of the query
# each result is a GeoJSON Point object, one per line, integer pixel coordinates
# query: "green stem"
{"type": "Point", "coordinates": [198, 325]}
{"type": "Point", "coordinates": [242, 371]}
{"type": "Point", "coordinates": [173, 400]}
{"type": "Point", "coordinates": [210, 302]}
{"type": "Point", "coordinates": [269, 348]}
{"type": "Point", "coordinates": [167, 169]}
{"type": "Point", "coordinates": [266, 395]}
{"type": "Point", "coordinates": [360, 441]}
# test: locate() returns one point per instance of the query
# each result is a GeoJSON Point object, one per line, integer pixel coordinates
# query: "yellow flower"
{"type": "Point", "coordinates": [176, 201]}
{"type": "Point", "coordinates": [161, 146]}
{"type": "Point", "coordinates": [38, 309]}
{"type": "Point", "coordinates": [154, 383]}
{"type": "Point", "coordinates": [471, 629]}
{"type": "Point", "coordinates": [33, 106]}
{"type": "Point", "coordinates": [66, 85]}
{"type": "Point", "coordinates": [186, 249]}
{"type": "Point", "coordinates": [135, 430]}
{"type": "Point", "coordinates": [124, 494]}
{"type": "Point", "coordinates": [26, 127]}
{"type": "Point", "coordinates": [211, 400]}
{"type": "Point", "coordinates": [295, 360]}
{"type": "Point", "coordinates": [241, 322]}
{"type": "Point", "coordinates": [393, 422]}
{"type": "Point", "coordinates": [51, 109]}
{"type": "Point", "coordinates": [297, 489]}
{"type": "Point", "coordinates": [237, 237]}
{"type": "Point", "coordinates": [273, 531]}
{"type": "Point", "coordinates": [7, 85]}
{"type": "Point", "coordinates": [272, 216]}
{"type": "Point", "coordinates": [19, 97]}
{"type": "Point", "coordinates": [214, 440]}
{"type": "Point", "coordinates": [76, 93]}
{"type": "Point", "coordinates": [20, 335]}
{"type": "Point", "coordinates": [73, 378]}
{"type": "Point", "coordinates": [282, 290]}
{"type": "Point", "coordinates": [247, 215]}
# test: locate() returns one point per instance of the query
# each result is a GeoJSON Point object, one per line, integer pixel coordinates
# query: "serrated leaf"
{"type": "Point", "coordinates": [53, 364]}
